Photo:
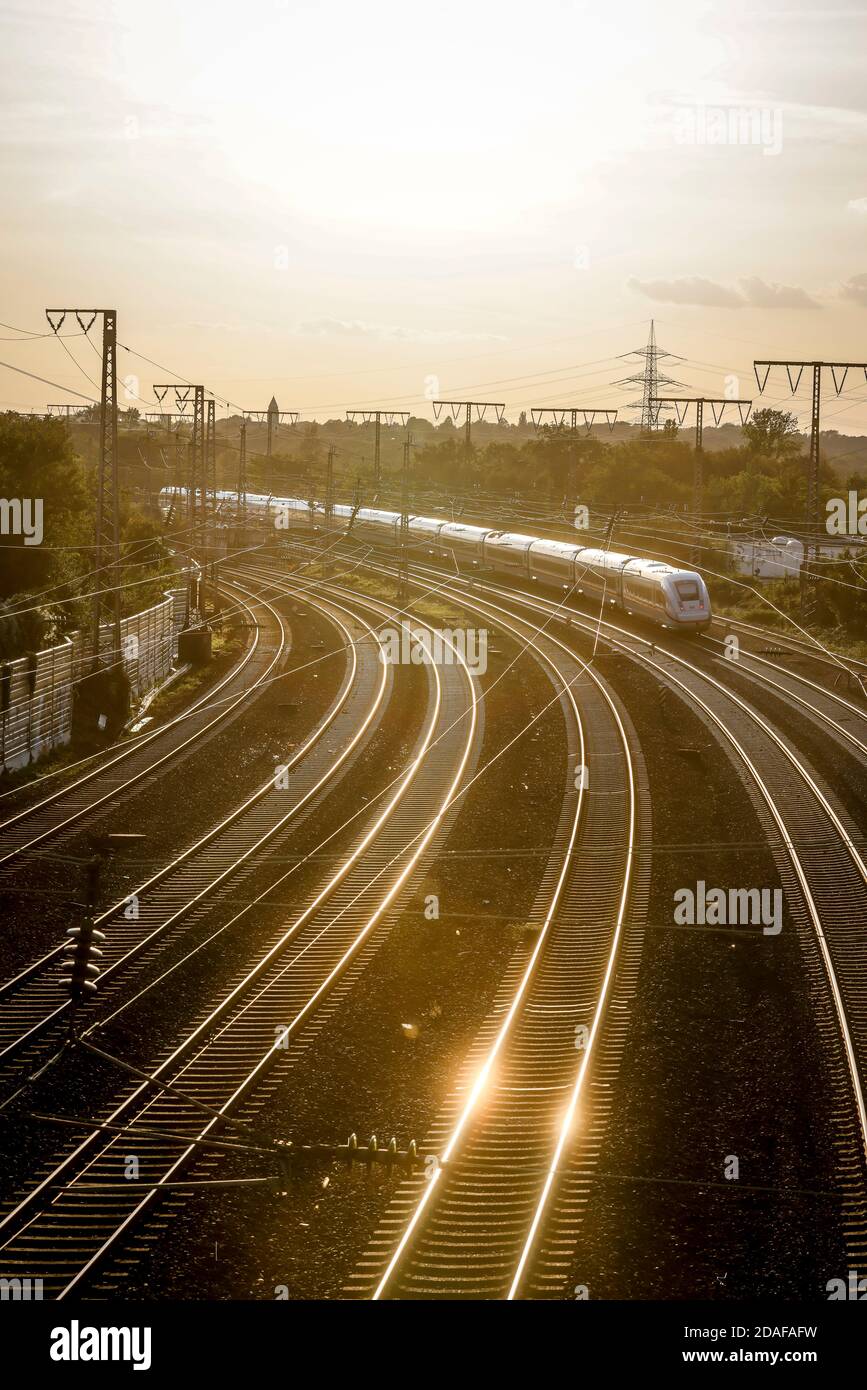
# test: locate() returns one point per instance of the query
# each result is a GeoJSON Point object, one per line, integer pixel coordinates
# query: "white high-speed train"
{"type": "Point", "coordinates": [674, 598]}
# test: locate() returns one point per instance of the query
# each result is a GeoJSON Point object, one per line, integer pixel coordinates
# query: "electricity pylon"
{"type": "Point", "coordinates": [808, 592]}
{"type": "Point", "coordinates": [391, 417]}
{"type": "Point", "coordinates": [650, 379]}
{"type": "Point", "coordinates": [107, 566]}
{"type": "Point", "coordinates": [681, 406]}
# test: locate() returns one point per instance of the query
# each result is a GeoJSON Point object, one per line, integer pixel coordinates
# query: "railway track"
{"type": "Point", "coordinates": [817, 852]}
{"type": "Point", "coordinates": [469, 1229]}
{"type": "Point", "coordinates": [65, 1226]}
{"type": "Point", "coordinates": [817, 848]}
{"type": "Point", "coordinates": [73, 805]}
{"type": "Point", "coordinates": [503, 1207]}
{"type": "Point", "coordinates": [185, 890]}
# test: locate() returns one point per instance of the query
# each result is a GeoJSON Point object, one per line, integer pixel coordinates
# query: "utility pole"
{"type": "Point", "coordinates": [211, 449]}
{"type": "Point", "coordinates": [242, 467]}
{"type": "Point", "coordinates": [650, 379]}
{"type": "Point", "coordinates": [329, 487]}
{"type": "Point", "coordinates": [717, 404]}
{"type": "Point", "coordinates": [107, 493]}
{"type": "Point", "coordinates": [480, 407]}
{"type": "Point", "coordinates": [403, 566]}
{"type": "Point", "coordinates": [391, 418]}
{"type": "Point", "coordinates": [184, 394]}
{"type": "Point", "coordinates": [794, 372]}
{"type": "Point", "coordinates": [329, 508]}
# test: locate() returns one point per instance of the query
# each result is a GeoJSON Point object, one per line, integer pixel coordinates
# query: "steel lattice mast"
{"type": "Point", "coordinates": [107, 563]}
{"type": "Point", "coordinates": [794, 371]}
{"type": "Point", "coordinates": [650, 379]}
{"type": "Point", "coordinates": [566, 418]}
{"type": "Point", "coordinates": [391, 418]}
{"type": "Point", "coordinates": [717, 405]}
{"type": "Point", "coordinates": [185, 393]}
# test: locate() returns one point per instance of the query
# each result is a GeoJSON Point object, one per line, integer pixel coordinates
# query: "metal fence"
{"type": "Point", "coordinates": [38, 689]}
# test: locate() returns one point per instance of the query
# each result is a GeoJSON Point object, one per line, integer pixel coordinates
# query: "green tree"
{"type": "Point", "coordinates": [37, 463]}
{"type": "Point", "coordinates": [773, 434]}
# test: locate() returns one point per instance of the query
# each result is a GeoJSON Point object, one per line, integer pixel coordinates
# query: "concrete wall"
{"type": "Point", "coordinates": [35, 723]}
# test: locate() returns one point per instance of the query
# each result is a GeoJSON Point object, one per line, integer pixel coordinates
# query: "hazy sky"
{"type": "Point", "coordinates": [351, 205]}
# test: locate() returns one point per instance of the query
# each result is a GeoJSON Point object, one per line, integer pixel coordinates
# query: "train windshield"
{"type": "Point", "coordinates": [687, 590]}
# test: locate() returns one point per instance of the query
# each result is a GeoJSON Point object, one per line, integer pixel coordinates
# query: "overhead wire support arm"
{"type": "Point", "coordinates": [273, 417]}
{"type": "Point", "coordinates": [480, 407]}
{"type": "Point", "coordinates": [188, 394]}
{"type": "Point", "coordinates": [376, 417]}
{"type": "Point", "coordinates": [794, 369]}
{"type": "Point", "coordinates": [107, 559]}
{"type": "Point", "coordinates": [681, 406]}
{"type": "Point", "coordinates": [566, 416]}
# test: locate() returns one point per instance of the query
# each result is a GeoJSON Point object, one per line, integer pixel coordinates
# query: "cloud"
{"type": "Point", "coordinates": [753, 293]}
{"type": "Point", "coordinates": [690, 289]}
{"type": "Point", "coordinates": [858, 205]}
{"type": "Point", "coordinates": [855, 289]}
{"type": "Point", "coordinates": [762, 295]}
{"type": "Point", "coordinates": [392, 333]}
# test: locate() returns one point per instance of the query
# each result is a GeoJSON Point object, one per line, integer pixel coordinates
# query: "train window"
{"type": "Point", "coordinates": [687, 589]}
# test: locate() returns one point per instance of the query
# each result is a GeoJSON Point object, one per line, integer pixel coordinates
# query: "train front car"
{"type": "Point", "coordinates": [687, 601]}
{"type": "Point", "coordinates": [678, 599]}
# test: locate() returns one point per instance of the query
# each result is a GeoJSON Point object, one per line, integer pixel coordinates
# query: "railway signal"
{"type": "Point", "coordinates": [480, 407]}
{"type": "Point", "coordinates": [79, 981]}
{"type": "Point", "coordinates": [81, 971]}
{"type": "Point", "coordinates": [717, 404]}
{"type": "Point", "coordinates": [391, 417]}
{"type": "Point", "coordinates": [794, 371]}
{"type": "Point", "coordinates": [107, 559]}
